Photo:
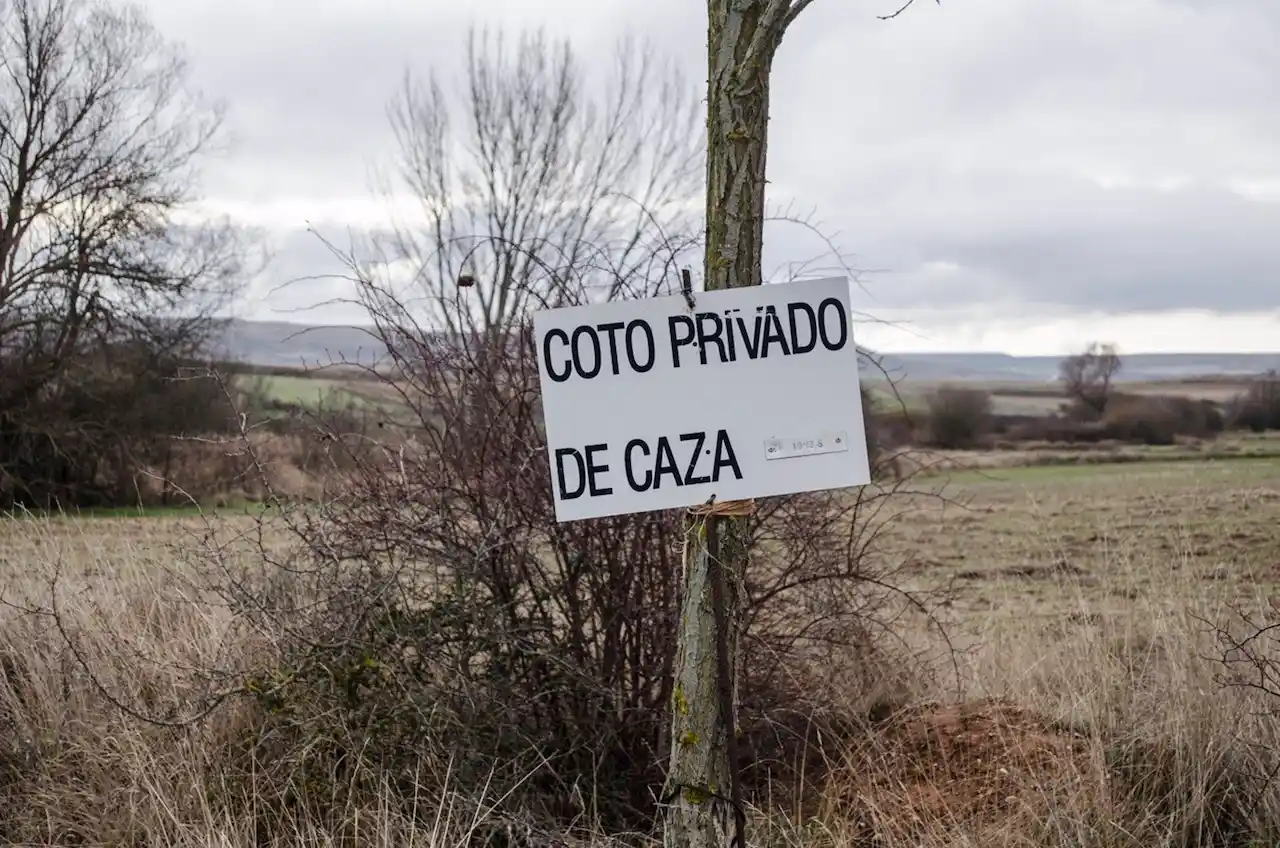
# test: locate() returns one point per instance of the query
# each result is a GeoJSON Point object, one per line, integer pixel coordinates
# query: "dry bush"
{"type": "Point", "coordinates": [434, 622]}
{"type": "Point", "coordinates": [1084, 725]}
{"type": "Point", "coordinates": [253, 448]}
{"type": "Point", "coordinates": [889, 430]}
{"type": "Point", "coordinates": [1056, 429]}
{"type": "Point", "coordinates": [1013, 427]}
{"type": "Point", "coordinates": [438, 624]}
{"type": "Point", "coordinates": [1141, 420]}
{"type": "Point", "coordinates": [1138, 419]}
{"type": "Point", "coordinates": [117, 417]}
{"type": "Point", "coordinates": [1088, 379]}
{"type": "Point", "coordinates": [1161, 420]}
{"type": "Point", "coordinates": [101, 619]}
{"type": "Point", "coordinates": [1258, 407]}
{"type": "Point", "coordinates": [959, 417]}
{"type": "Point", "coordinates": [1198, 417]}
{"type": "Point", "coordinates": [86, 620]}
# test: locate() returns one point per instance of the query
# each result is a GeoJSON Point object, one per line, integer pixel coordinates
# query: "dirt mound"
{"type": "Point", "coordinates": [967, 763]}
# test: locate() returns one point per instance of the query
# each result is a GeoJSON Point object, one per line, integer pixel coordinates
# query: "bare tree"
{"type": "Point", "coordinates": [706, 809]}
{"type": "Point", "coordinates": [100, 139]}
{"type": "Point", "coordinates": [435, 612]}
{"type": "Point", "coordinates": [1087, 377]}
{"type": "Point", "coordinates": [533, 187]}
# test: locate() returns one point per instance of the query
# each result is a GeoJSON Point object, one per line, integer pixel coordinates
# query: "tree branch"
{"type": "Point", "coordinates": [903, 8]}
{"type": "Point", "coordinates": [797, 7]}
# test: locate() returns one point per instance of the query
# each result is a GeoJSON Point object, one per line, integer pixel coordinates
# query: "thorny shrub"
{"type": "Point", "coordinates": [959, 417]}
{"type": "Point", "coordinates": [434, 617]}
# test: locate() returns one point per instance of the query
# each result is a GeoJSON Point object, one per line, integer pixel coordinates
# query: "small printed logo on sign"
{"type": "Point", "coordinates": [835, 442]}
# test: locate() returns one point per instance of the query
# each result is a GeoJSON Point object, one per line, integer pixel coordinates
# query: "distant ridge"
{"type": "Point", "coordinates": [1138, 367]}
{"type": "Point", "coordinates": [281, 343]}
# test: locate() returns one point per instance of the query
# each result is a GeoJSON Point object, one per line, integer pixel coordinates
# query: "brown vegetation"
{"type": "Point", "coordinates": [958, 417]}
{"type": "Point", "coordinates": [1088, 377]}
{"type": "Point", "coordinates": [404, 645]}
{"type": "Point", "coordinates": [104, 294]}
{"type": "Point", "coordinates": [1257, 408]}
{"type": "Point", "coordinates": [1087, 711]}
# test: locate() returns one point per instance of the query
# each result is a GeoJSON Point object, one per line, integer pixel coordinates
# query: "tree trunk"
{"type": "Point", "coordinates": [742, 38]}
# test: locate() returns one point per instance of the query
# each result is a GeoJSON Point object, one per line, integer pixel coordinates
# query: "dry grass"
{"type": "Point", "coordinates": [1248, 446]}
{"type": "Point", "coordinates": [1086, 710]}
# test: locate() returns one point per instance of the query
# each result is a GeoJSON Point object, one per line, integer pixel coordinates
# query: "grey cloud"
{"type": "Point", "coordinates": [1061, 241]}
{"type": "Point", "coordinates": [973, 133]}
{"type": "Point", "coordinates": [305, 281]}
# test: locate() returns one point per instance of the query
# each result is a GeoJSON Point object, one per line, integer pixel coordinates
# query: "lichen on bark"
{"type": "Point", "coordinates": [741, 40]}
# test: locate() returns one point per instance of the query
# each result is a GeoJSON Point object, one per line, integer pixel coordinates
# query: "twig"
{"type": "Point", "coordinates": [904, 8]}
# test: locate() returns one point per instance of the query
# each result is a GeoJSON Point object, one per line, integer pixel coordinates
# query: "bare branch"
{"type": "Point", "coordinates": [797, 7]}
{"type": "Point", "coordinates": [1088, 376]}
{"type": "Point", "coordinates": [901, 9]}
{"type": "Point", "coordinates": [552, 190]}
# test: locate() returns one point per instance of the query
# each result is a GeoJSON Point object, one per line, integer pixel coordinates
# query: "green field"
{"type": "Point", "coordinates": [1026, 398]}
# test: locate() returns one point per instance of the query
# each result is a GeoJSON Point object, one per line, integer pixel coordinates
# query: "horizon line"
{"type": "Point", "coordinates": [880, 350]}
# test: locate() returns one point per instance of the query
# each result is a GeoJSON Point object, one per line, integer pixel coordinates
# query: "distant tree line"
{"type": "Point", "coordinates": [1095, 408]}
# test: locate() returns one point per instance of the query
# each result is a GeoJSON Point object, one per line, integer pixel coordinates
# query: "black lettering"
{"type": "Point", "coordinates": [705, 338]}
{"type": "Point", "coordinates": [725, 457]}
{"type": "Point", "coordinates": [612, 329]}
{"type": "Point", "coordinates": [590, 333]}
{"type": "Point", "coordinates": [699, 440]}
{"type": "Point", "coordinates": [796, 345]}
{"type": "Point", "coordinates": [631, 479]}
{"type": "Point", "coordinates": [593, 470]}
{"type": "Point", "coordinates": [773, 333]}
{"type": "Point", "coordinates": [841, 318]}
{"type": "Point", "coordinates": [546, 356]}
{"type": "Point", "coordinates": [666, 464]}
{"type": "Point", "coordinates": [728, 333]}
{"type": "Point", "coordinates": [631, 347]}
{"type": "Point", "coordinates": [565, 494]}
{"type": "Point", "coordinates": [677, 343]}
{"type": "Point", "coordinates": [752, 341]}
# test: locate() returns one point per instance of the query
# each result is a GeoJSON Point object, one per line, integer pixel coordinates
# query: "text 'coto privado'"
{"type": "Point", "coordinates": [589, 351]}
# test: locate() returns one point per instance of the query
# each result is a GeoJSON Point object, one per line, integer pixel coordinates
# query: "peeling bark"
{"type": "Point", "coordinates": [700, 813]}
{"type": "Point", "coordinates": [742, 38]}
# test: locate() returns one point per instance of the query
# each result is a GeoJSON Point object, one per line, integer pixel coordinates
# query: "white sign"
{"type": "Point", "coordinates": [651, 405]}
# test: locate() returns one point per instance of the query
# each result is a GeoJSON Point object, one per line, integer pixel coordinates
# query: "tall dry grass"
{"type": "Point", "coordinates": [1083, 723]}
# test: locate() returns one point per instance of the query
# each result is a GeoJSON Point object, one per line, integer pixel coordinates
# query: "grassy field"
{"type": "Point", "coordinates": [1227, 448]}
{"type": "Point", "coordinates": [1023, 398]}
{"type": "Point", "coordinates": [1081, 709]}
{"type": "Point", "coordinates": [1008, 397]}
{"type": "Point", "coordinates": [1039, 543]}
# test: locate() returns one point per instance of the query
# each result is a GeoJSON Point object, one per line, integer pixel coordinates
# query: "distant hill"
{"type": "Point", "coordinates": [279, 343]}
{"type": "Point", "coordinates": [989, 367]}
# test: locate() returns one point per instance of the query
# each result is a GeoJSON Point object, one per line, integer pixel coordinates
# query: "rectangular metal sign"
{"type": "Point", "coordinates": [652, 405]}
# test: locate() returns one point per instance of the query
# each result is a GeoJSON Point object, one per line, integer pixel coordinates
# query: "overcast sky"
{"type": "Point", "coordinates": [1015, 176]}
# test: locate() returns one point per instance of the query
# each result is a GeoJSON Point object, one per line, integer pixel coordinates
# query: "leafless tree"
{"type": "Point", "coordinates": [1257, 408]}
{"type": "Point", "coordinates": [743, 38]}
{"type": "Point", "coordinates": [533, 186]}
{"type": "Point", "coordinates": [435, 611]}
{"type": "Point", "coordinates": [1087, 377]}
{"type": "Point", "coordinates": [100, 142]}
